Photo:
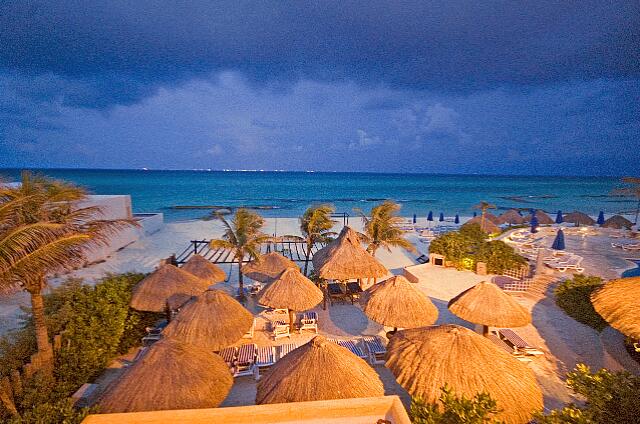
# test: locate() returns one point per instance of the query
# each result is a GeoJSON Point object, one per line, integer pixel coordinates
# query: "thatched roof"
{"type": "Point", "coordinates": [318, 370]}
{"type": "Point", "coordinates": [397, 303]}
{"type": "Point", "coordinates": [345, 258]}
{"type": "Point", "coordinates": [487, 226]}
{"type": "Point", "coordinates": [425, 359]}
{"type": "Point", "coordinates": [170, 375]}
{"type": "Point", "coordinates": [511, 217]}
{"type": "Point", "coordinates": [491, 217]}
{"type": "Point", "coordinates": [267, 267]}
{"type": "Point", "coordinates": [486, 304]}
{"type": "Point", "coordinates": [617, 302]}
{"type": "Point", "coordinates": [543, 218]}
{"type": "Point", "coordinates": [291, 290]}
{"type": "Point", "coordinates": [579, 218]}
{"type": "Point", "coordinates": [202, 268]}
{"type": "Point", "coordinates": [213, 320]}
{"type": "Point", "coordinates": [617, 221]}
{"type": "Point", "coordinates": [152, 293]}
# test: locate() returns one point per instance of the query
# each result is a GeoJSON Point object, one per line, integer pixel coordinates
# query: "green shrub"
{"type": "Point", "coordinates": [610, 397]}
{"type": "Point", "coordinates": [58, 412]}
{"type": "Point", "coordinates": [481, 409]}
{"type": "Point", "coordinates": [499, 257]}
{"type": "Point", "coordinates": [574, 297]}
{"type": "Point", "coordinates": [454, 246]}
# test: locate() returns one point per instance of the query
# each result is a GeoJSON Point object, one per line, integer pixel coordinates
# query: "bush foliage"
{"type": "Point", "coordinates": [574, 297]}
{"type": "Point", "coordinates": [469, 245]}
{"type": "Point", "coordinates": [481, 409]}
{"type": "Point", "coordinates": [96, 325]}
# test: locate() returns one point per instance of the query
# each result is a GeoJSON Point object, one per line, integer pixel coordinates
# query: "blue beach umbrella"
{"type": "Point", "coordinates": [534, 223]}
{"type": "Point", "coordinates": [415, 218]}
{"type": "Point", "coordinates": [457, 220]}
{"type": "Point", "coordinates": [558, 242]}
{"type": "Point", "coordinates": [441, 217]}
{"type": "Point", "coordinates": [475, 214]}
{"type": "Point", "coordinates": [600, 220]}
{"type": "Point", "coordinates": [559, 219]}
{"type": "Point", "coordinates": [430, 217]}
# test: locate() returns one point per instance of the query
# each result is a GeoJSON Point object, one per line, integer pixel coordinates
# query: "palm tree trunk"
{"type": "Point", "coordinates": [306, 258]}
{"type": "Point", "coordinates": [42, 337]}
{"type": "Point", "coordinates": [482, 219]}
{"type": "Point", "coordinates": [240, 280]}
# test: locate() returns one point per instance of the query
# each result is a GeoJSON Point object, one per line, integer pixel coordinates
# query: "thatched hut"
{"type": "Point", "coordinates": [318, 370]}
{"type": "Point", "coordinates": [618, 222]}
{"type": "Point", "coordinates": [152, 293]}
{"type": "Point", "coordinates": [488, 216]}
{"type": "Point", "coordinates": [542, 217]}
{"type": "Point", "coordinates": [291, 290]}
{"type": "Point", "coordinates": [345, 258]}
{"type": "Point", "coordinates": [425, 359]}
{"type": "Point", "coordinates": [170, 375]}
{"type": "Point", "coordinates": [204, 269]}
{"type": "Point", "coordinates": [511, 217]}
{"type": "Point", "coordinates": [487, 226]}
{"type": "Point", "coordinates": [579, 218]}
{"type": "Point", "coordinates": [267, 267]}
{"type": "Point", "coordinates": [617, 302]}
{"type": "Point", "coordinates": [213, 320]}
{"type": "Point", "coordinates": [398, 303]}
{"type": "Point", "coordinates": [486, 304]}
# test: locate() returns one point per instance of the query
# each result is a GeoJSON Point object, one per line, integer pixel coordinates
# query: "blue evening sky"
{"type": "Point", "coordinates": [396, 86]}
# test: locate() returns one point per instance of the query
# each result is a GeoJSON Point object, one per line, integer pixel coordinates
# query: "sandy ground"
{"type": "Point", "coordinates": [564, 341]}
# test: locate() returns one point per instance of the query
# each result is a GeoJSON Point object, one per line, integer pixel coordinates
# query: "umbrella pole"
{"type": "Point", "coordinates": [485, 330]}
{"type": "Point", "coordinates": [291, 312]}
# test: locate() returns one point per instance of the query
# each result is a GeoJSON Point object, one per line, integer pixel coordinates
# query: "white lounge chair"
{"type": "Point", "coordinates": [518, 343]}
{"type": "Point", "coordinates": [266, 357]}
{"type": "Point", "coordinates": [246, 360]}
{"type": "Point", "coordinates": [309, 321]}
{"type": "Point", "coordinates": [280, 329]}
{"type": "Point", "coordinates": [285, 349]}
{"type": "Point", "coordinates": [249, 334]}
{"type": "Point", "coordinates": [563, 265]}
{"type": "Point", "coordinates": [229, 355]}
{"type": "Point", "coordinates": [377, 351]}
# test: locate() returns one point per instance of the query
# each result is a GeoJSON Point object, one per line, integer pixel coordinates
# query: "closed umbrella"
{"type": "Point", "coordinates": [457, 220]}
{"type": "Point", "coordinates": [415, 218]}
{"type": "Point", "coordinates": [534, 223]}
{"type": "Point", "coordinates": [430, 217]}
{"type": "Point", "coordinates": [600, 220]}
{"type": "Point", "coordinates": [559, 219]}
{"type": "Point", "coordinates": [475, 214]}
{"type": "Point", "coordinates": [441, 217]}
{"type": "Point", "coordinates": [558, 242]}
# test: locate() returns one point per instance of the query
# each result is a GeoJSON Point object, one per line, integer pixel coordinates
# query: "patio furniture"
{"type": "Point", "coordinates": [337, 294]}
{"type": "Point", "coordinates": [309, 321]}
{"type": "Point", "coordinates": [351, 345]}
{"type": "Point", "coordinates": [354, 290]}
{"type": "Point", "coordinates": [563, 265]}
{"type": "Point", "coordinates": [376, 349]}
{"type": "Point", "coordinates": [507, 348]}
{"type": "Point", "coordinates": [266, 357]}
{"type": "Point", "coordinates": [285, 349]}
{"type": "Point", "coordinates": [246, 360]}
{"type": "Point", "coordinates": [229, 355]}
{"type": "Point", "coordinates": [518, 343]}
{"type": "Point", "coordinates": [280, 329]}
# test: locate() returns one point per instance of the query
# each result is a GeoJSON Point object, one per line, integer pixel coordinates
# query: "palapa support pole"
{"type": "Point", "coordinates": [291, 319]}
{"type": "Point", "coordinates": [485, 330]}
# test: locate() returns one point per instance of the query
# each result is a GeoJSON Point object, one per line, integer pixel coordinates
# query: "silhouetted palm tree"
{"type": "Point", "coordinates": [382, 229]}
{"type": "Point", "coordinates": [315, 225]}
{"type": "Point", "coordinates": [483, 206]}
{"type": "Point", "coordinates": [243, 237]}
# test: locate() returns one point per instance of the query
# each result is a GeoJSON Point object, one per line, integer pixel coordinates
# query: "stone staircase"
{"type": "Point", "coordinates": [540, 285]}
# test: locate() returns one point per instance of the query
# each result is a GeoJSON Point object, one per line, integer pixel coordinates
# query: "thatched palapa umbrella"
{"type": "Point", "coordinates": [579, 218]}
{"type": "Point", "coordinates": [202, 268]}
{"type": "Point", "coordinates": [267, 267]}
{"type": "Point", "coordinates": [397, 303]}
{"type": "Point", "coordinates": [425, 359]}
{"type": "Point", "coordinates": [617, 302]}
{"type": "Point", "coordinates": [618, 222]}
{"type": "Point", "coordinates": [511, 217]}
{"type": "Point", "coordinates": [486, 304]}
{"type": "Point", "coordinates": [213, 320]}
{"type": "Point", "coordinates": [318, 370]}
{"type": "Point", "coordinates": [170, 376]}
{"type": "Point", "coordinates": [345, 258]}
{"type": "Point", "coordinates": [487, 226]}
{"type": "Point", "coordinates": [492, 218]}
{"type": "Point", "coordinates": [152, 293]}
{"type": "Point", "coordinates": [291, 290]}
{"type": "Point", "coordinates": [542, 217]}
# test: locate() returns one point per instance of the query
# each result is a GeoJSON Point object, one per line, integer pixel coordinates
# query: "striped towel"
{"type": "Point", "coordinates": [374, 345]}
{"type": "Point", "coordinates": [310, 316]}
{"type": "Point", "coordinates": [287, 348]}
{"type": "Point", "coordinates": [351, 345]}
{"type": "Point", "coordinates": [247, 354]}
{"type": "Point", "coordinates": [266, 356]}
{"type": "Point", "coordinates": [228, 354]}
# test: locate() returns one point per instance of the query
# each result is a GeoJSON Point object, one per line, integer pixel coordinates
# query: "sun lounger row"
{"type": "Point", "coordinates": [627, 246]}
{"type": "Point", "coordinates": [375, 350]}
{"type": "Point", "coordinates": [251, 360]}
{"type": "Point", "coordinates": [565, 262]}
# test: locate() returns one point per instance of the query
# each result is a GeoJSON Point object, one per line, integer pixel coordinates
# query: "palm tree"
{"type": "Point", "coordinates": [315, 225]}
{"type": "Point", "coordinates": [382, 229]}
{"type": "Point", "coordinates": [243, 236]}
{"type": "Point", "coordinates": [632, 189]}
{"type": "Point", "coordinates": [483, 206]}
{"type": "Point", "coordinates": [42, 231]}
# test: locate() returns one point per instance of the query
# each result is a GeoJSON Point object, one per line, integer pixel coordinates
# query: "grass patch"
{"type": "Point", "coordinates": [574, 298]}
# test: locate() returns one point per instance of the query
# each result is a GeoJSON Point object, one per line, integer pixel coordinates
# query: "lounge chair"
{"type": "Point", "coordinates": [354, 290]}
{"type": "Point", "coordinates": [508, 348]}
{"type": "Point", "coordinates": [280, 329]}
{"type": "Point", "coordinates": [249, 334]}
{"type": "Point", "coordinates": [229, 355]}
{"type": "Point", "coordinates": [246, 360]}
{"type": "Point", "coordinates": [518, 343]}
{"type": "Point", "coordinates": [377, 351]}
{"type": "Point", "coordinates": [265, 358]}
{"type": "Point", "coordinates": [285, 349]}
{"type": "Point", "coordinates": [337, 294]}
{"type": "Point", "coordinates": [352, 346]}
{"type": "Point", "coordinates": [309, 321]}
{"type": "Point", "coordinates": [150, 339]}
{"type": "Point", "coordinates": [572, 262]}
{"type": "Point", "coordinates": [422, 259]}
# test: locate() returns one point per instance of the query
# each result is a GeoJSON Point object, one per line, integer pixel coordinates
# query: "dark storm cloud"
{"type": "Point", "coordinates": [120, 51]}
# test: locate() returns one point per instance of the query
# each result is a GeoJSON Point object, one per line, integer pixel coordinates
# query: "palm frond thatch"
{"type": "Point", "coordinates": [204, 269]}
{"type": "Point", "coordinates": [510, 217]}
{"type": "Point", "coordinates": [618, 221]}
{"type": "Point", "coordinates": [345, 258]}
{"type": "Point", "coordinates": [318, 370]}
{"type": "Point", "coordinates": [267, 267]}
{"type": "Point", "coordinates": [291, 290]}
{"type": "Point", "coordinates": [425, 359]}
{"type": "Point", "coordinates": [487, 226]}
{"type": "Point", "coordinates": [170, 376]}
{"type": "Point", "coordinates": [213, 320]}
{"type": "Point", "coordinates": [397, 303]}
{"type": "Point", "coordinates": [542, 217]}
{"type": "Point", "coordinates": [486, 304]}
{"type": "Point", "coordinates": [617, 302]}
{"type": "Point", "coordinates": [152, 293]}
{"type": "Point", "coordinates": [579, 218]}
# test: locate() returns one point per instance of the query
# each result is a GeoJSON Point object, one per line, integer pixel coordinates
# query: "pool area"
{"type": "Point", "coordinates": [633, 272]}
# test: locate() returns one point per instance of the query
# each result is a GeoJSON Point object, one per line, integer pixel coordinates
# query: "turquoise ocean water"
{"type": "Point", "coordinates": [287, 194]}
